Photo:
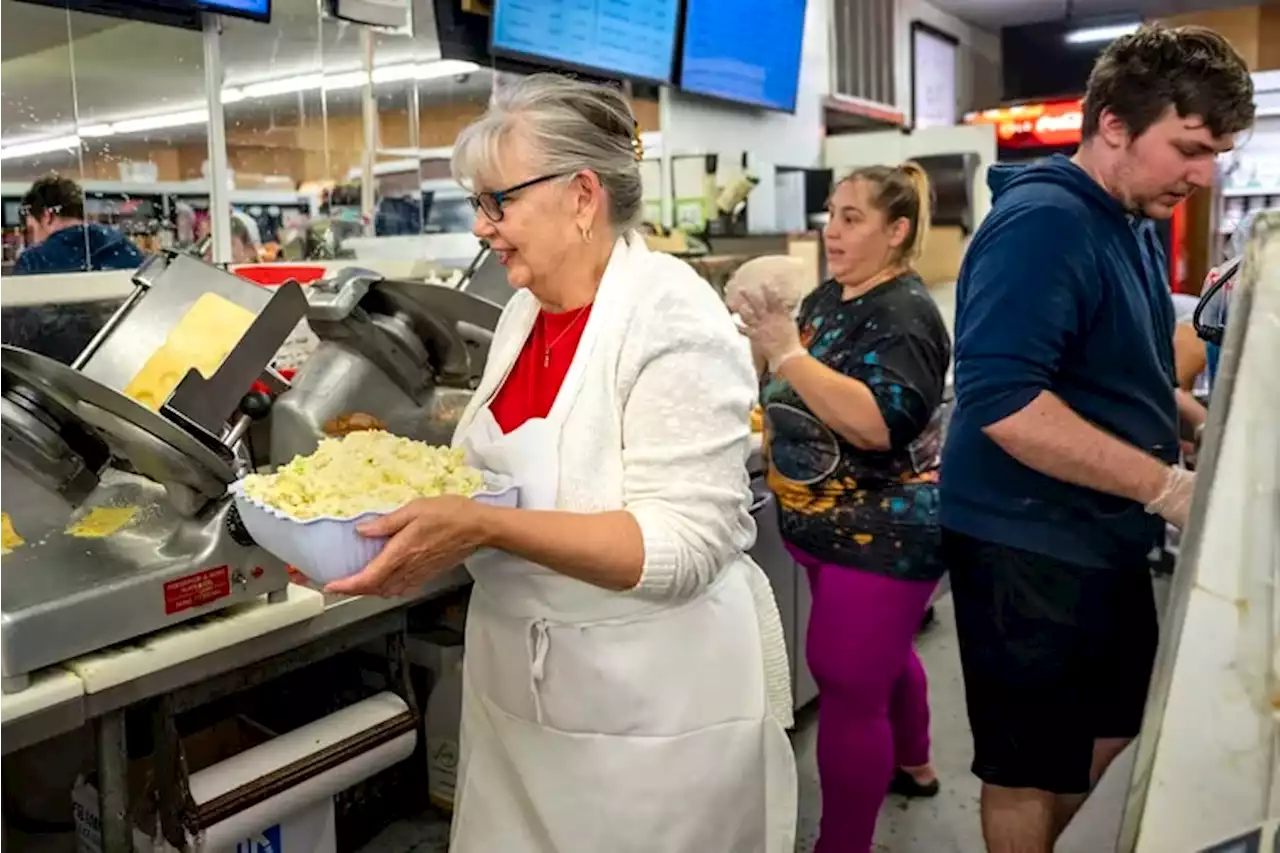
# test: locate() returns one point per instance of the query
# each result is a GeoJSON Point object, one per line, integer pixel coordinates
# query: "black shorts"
{"type": "Point", "coordinates": [1055, 655]}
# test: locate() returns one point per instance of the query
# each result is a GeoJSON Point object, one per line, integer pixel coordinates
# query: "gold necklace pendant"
{"type": "Point", "coordinates": [546, 349]}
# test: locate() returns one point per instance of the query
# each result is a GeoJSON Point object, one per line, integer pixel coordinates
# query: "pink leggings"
{"type": "Point", "coordinates": [873, 712]}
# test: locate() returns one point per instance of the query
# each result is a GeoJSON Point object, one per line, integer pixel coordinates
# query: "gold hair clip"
{"type": "Point", "coordinates": [637, 144]}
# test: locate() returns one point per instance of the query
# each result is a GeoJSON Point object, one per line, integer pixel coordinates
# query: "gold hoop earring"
{"type": "Point", "coordinates": [586, 234]}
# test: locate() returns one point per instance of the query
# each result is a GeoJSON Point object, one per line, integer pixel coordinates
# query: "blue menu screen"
{"type": "Point", "coordinates": [624, 38]}
{"type": "Point", "coordinates": [744, 50]}
{"type": "Point", "coordinates": [247, 8]}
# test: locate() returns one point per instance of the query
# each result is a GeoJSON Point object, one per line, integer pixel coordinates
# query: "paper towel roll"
{"type": "Point", "coordinates": [285, 750]}
{"type": "Point", "coordinates": [226, 834]}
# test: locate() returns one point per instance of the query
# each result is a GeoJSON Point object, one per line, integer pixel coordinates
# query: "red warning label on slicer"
{"type": "Point", "coordinates": [196, 590]}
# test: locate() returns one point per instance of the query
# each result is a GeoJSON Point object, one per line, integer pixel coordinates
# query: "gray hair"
{"type": "Point", "coordinates": [571, 126]}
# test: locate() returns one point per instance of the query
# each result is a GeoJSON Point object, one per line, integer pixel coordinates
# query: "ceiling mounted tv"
{"type": "Point", "coordinates": [255, 10]}
{"type": "Point", "coordinates": [187, 14]}
{"type": "Point", "coordinates": [746, 58]}
{"type": "Point", "coordinates": [1038, 62]}
{"type": "Point", "coordinates": [388, 14]}
{"type": "Point", "coordinates": [632, 41]}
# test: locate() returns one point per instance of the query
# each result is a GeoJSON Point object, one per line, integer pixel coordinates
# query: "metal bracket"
{"type": "Point", "coordinates": [176, 807]}
{"type": "Point", "coordinates": [399, 672]}
{"type": "Point", "coordinates": [205, 405]}
{"type": "Point", "coordinates": [113, 783]}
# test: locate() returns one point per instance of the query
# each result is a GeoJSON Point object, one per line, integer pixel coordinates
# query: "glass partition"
{"type": "Point", "coordinates": [38, 117]}
{"type": "Point", "coordinates": [130, 127]}
{"type": "Point", "coordinates": [143, 122]}
{"type": "Point", "coordinates": [277, 135]}
{"type": "Point", "coordinates": [312, 106]}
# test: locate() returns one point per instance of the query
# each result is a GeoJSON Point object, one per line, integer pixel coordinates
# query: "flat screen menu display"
{"type": "Point", "coordinates": [256, 9]}
{"type": "Point", "coordinates": [744, 50]}
{"type": "Point", "coordinates": [171, 13]}
{"type": "Point", "coordinates": [633, 39]}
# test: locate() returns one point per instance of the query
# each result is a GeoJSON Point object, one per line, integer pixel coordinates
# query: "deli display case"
{"type": "Point", "coordinates": [1208, 757]}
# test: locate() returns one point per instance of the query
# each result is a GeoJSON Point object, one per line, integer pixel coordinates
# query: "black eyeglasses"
{"type": "Point", "coordinates": [491, 204]}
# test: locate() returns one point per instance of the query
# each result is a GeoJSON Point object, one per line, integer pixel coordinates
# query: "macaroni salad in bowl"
{"type": "Point", "coordinates": [366, 471]}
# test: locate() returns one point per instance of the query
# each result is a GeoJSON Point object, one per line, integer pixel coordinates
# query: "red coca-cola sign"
{"type": "Point", "coordinates": [1034, 125]}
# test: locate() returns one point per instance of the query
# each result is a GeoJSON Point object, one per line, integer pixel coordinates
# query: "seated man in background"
{"type": "Point", "coordinates": [61, 241]}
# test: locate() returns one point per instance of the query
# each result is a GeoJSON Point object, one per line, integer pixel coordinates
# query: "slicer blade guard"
{"type": "Point", "coordinates": [167, 287]}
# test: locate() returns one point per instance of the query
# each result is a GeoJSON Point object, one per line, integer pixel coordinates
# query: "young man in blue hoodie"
{"type": "Point", "coordinates": [1060, 468]}
{"type": "Point", "coordinates": [61, 241]}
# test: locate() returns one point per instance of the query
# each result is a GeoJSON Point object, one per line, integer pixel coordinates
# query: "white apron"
{"type": "Point", "coordinates": [596, 722]}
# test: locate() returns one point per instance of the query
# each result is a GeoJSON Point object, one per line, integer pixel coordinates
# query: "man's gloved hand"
{"type": "Point", "coordinates": [1173, 504]}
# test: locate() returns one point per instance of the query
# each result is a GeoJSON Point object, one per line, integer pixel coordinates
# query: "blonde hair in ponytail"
{"type": "Point", "coordinates": [914, 245]}
{"type": "Point", "coordinates": [902, 192]}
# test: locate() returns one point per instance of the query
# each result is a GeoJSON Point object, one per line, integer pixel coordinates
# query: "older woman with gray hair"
{"type": "Point", "coordinates": [625, 683]}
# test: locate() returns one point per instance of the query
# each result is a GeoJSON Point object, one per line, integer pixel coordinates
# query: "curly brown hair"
{"type": "Point", "coordinates": [54, 194]}
{"type": "Point", "coordinates": [1193, 69]}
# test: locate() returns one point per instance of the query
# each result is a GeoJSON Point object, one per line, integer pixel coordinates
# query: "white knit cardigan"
{"type": "Point", "coordinates": [659, 425]}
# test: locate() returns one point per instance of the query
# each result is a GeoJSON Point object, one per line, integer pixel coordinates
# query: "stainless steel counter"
{"type": "Point", "coordinates": [790, 589]}
{"type": "Point", "coordinates": [343, 614]}
{"type": "Point", "coordinates": [354, 617]}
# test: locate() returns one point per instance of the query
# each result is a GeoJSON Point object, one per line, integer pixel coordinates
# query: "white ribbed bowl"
{"type": "Point", "coordinates": [325, 548]}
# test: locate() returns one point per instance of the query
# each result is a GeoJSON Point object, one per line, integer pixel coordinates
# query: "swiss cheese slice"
{"type": "Point", "coordinates": [102, 521]}
{"type": "Point", "coordinates": [202, 339]}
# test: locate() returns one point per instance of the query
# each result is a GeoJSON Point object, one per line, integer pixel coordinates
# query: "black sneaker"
{"type": "Point", "coordinates": [904, 785]}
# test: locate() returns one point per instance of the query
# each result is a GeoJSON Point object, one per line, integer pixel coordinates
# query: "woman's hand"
{"type": "Point", "coordinates": [427, 537]}
{"type": "Point", "coordinates": [770, 326]}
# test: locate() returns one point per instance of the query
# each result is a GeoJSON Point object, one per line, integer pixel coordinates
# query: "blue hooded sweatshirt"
{"type": "Point", "coordinates": [1061, 290]}
{"type": "Point", "coordinates": [68, 250]}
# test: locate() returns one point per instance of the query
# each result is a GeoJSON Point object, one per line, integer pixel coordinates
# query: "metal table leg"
{"type": "Point", "coordinates": [15, 683]}
{"type": "Point", "coordinates": [4, 824]}
{"type": "Point", "coordinates": [113, 783]}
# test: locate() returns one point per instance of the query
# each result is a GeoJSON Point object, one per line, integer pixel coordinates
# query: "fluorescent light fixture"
{"type": "Point", "coordinates": [39, 146]}
{"type": "Point", "coordinates": [345, 80]}
{"type": "Point", "coordinates": [442, 68]}
{"type": "Point", "coordinates": [397, 72]}
{"type": "Point", "coordinates": [283, 86]}
{"type": "Point", "coordinates": [1088, 35]}
{"type": "Point", "coordinates": [159, 122]}
{"type": "Point", "coordinates": [178, 118]}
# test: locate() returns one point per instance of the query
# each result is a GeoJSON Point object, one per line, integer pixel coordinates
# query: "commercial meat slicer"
{"type": "Point", "coordinates": [117, 517]}
{"type": "Point", "coordinates": [409, 355]}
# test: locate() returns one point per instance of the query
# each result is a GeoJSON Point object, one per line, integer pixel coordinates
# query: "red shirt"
{"type": "Point", "coordinates": [539, 371]}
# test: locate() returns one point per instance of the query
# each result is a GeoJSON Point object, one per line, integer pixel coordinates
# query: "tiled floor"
{"type": "Point", "coordinates": [947, 823]}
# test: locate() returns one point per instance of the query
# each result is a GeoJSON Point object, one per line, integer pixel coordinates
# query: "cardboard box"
{"type": "Point", "coordinates": [310, 830]}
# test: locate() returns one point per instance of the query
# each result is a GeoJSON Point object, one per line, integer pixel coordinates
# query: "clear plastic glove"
{"type": "Point", "coordinates": [1173, 504]}
{"type": "Point", "coordinates": [771, 327]}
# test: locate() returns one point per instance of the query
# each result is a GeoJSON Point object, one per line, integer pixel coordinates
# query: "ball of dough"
{"type": "Point", "coordinates": [780, 276]}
